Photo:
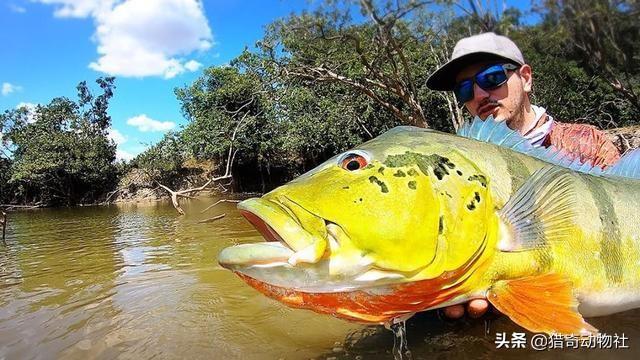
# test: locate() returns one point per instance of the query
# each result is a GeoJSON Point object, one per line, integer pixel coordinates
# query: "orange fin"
{"type": "Point", "coordinates": [542, 303]}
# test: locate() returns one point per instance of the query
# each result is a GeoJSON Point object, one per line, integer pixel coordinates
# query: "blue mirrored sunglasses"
{"type": "Point", "coordinates": [488, 79]}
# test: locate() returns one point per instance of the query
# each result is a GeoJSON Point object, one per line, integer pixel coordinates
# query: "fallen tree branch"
{"type": "Point", "coordinates": [212, 219]}
{"type": "Point", "coordinates": [231, 155]}
{"type": "Point", "coordinates": [3, 221]}
{"type": "Point", "coordinates": [10, 206]}
{"type": "Point", "coordinates": [110, 195]}
{"type": "Point", "coordinates": [218, 202]}
{"type": "Point", "coordinates": [186, 193]}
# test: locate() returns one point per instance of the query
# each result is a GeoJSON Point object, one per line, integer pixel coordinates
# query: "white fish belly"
{"type": "Point", "coordinates": [608, 302]}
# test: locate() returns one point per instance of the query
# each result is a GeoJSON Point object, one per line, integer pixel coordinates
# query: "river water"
{"type": "Point", "coordinates": [141, 282]}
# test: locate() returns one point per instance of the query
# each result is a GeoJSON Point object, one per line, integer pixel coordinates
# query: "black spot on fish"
{"type": "Point", "coordinates": [399, 173]}
{"type": "Point", "coordinates": [449, 195]}
{"type": "Point", "coordinates": [412, 172]}
{"type": "Point", "coordinates": [448, 163]}
{"type": "Point", "coordinates": [479, 178]}
{"type": "Point", "coordinates": [474, 201]}
{"type": "Point", "coordinates": [439, 165]}
{"type": "Point", "coordinates": [369, 166]}
{"type": "Point", "coordinates": [381, 170]}
{"type": "Point", "coordinates": [345, 187]}
{"type": "Point", "coordinates": [459, 172]}
{"type": "Point", "coordinates": [411, 185]}
{"type": "Point", "coordinates": [383, 186]}
{"type": "Point", "coordinates": [360, 199]}
{"type": "Point", "coordinates": [440, 225]}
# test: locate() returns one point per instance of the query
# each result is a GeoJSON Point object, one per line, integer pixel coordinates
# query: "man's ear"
{"type": "Point", "coordinates": [527, 77]}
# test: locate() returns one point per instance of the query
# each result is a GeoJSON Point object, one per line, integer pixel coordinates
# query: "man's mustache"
{"type": "Point", "coordinates": [488, 102]}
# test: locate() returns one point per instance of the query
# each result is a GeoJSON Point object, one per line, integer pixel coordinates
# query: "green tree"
{"type": "Point", "coordinates": [164, 160]}
{"type": "Point", "coordinates": [601, 38]}
{"type": "Point", "coordinates": [60, 153]}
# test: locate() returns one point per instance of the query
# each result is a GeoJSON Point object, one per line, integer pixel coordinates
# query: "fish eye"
{"type": "Point", "coordinates": [352, 161]}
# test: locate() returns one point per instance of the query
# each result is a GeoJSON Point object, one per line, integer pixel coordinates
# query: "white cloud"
{"type": "Point", "coordinates": [8, 88]}
{"type": "Point", "coordinates": [17, 9]}
{"type": "Point", "coordinates": [137, 39]}
{"type": "Point", "coordinates": [116, 136]}
{"type": "Point", "coordinates": [124, 155]}
{"type": "Point", "coordinates": [31, 110]}
{"type": "Point", "coordinates": [192, 65]}
{"type": "Point", "coordinates": [79, 8]}
{"type": "Point", "coordinates": [146, 124]}
{"type": "Point", "coordinates": [28, 105]}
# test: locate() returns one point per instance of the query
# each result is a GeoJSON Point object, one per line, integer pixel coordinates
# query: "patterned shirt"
{"type": "Point", "coordinates": [583, 141]}
{"type": "Point", "coordinates": [578, 140]}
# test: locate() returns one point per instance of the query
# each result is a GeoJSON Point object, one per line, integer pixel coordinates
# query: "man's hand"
{"type": "Point", "coordinates": [475, 308]}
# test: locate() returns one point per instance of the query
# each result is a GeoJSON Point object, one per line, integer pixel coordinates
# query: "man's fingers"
{"type": "Point", "coordinates": [477, 307]}
{"type": "Point", "coordinates": [454, 311]}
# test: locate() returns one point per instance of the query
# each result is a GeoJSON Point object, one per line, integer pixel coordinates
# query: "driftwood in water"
{"type": "Point", "coordinates": [219, 202]}
{"type": "Point", "coordinates": [212, 219]}
{"type": "Point", "coordinates": [3, 221]}
{"type": "Point", "coordinates": [217, 217]}
{"type": "Point", "coordinates": [10, 206]}
{"type": "Point", "coordinates": [187, 192]}
{"type": "Point", "coordinates": [231, 155]}
{"type": "Point", "coordinates": [3, 216]}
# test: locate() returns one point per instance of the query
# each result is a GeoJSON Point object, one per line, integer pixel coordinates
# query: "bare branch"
{"type": "Point", "coordinates": [361, 123]}
{"type": "Point", "coordinates": [212, 219]}
{"type": "Point", "coordinates": [3, 222]}
{"type": "Point", "coordinates": [110, 195]}
{"type": "Point", "coordinates": [219, 202]}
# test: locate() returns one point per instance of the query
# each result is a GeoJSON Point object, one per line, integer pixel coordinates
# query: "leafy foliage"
{"type": "Point", "coordinates": [60, 153]}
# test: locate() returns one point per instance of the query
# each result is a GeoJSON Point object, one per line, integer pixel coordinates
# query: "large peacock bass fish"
{"type": "Point", "coordinates": [416, 219]}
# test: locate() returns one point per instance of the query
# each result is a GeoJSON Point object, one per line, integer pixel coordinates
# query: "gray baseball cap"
{"type": "Point", "coordinates": [473, 49]}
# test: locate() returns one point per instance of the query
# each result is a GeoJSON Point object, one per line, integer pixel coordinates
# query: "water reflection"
{"type": "Point", "coordinates": [142, 282]}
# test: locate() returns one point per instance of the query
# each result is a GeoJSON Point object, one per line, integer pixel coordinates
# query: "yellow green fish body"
{"type": "Point", "coordinates": [416, 220]}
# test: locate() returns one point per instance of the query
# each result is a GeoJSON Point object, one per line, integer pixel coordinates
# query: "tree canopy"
{"type": "Point", "coordinates": [59, 153]}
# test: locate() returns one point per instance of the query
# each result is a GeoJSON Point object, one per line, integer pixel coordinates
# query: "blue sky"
{"type": "Point", "coordinates": [151, 46]}
{"type": "Point", "coordinates": [48, 46]}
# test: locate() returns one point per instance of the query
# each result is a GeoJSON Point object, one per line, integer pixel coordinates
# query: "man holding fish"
{"type": "Point", "coordinates": [488, 74]}
{"type": "Point", "coordinates": [417, 219]}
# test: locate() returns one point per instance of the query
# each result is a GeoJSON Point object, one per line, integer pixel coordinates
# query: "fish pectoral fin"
{"type": "Point", "coordinates": [541, 303]}
{"type": "Point", "coordinates": [540, 212]}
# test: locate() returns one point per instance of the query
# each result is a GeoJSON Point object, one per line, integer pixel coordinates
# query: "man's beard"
{"type": "Point", "coordinates": [517, 120]}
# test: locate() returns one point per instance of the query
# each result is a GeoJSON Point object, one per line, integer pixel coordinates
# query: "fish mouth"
{"type": "Point", "coordinates": [303, 250]}
{"type": "Point", "coordinates": [298, 229]}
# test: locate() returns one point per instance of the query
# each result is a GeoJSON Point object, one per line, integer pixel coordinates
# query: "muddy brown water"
{"type": "Point", "coordinates": [140, 282]}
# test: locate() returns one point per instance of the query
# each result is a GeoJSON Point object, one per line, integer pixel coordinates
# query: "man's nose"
{"type": "Point", "coordinates": [479, 93]}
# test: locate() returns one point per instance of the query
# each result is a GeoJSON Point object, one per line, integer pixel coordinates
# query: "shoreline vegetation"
{"type": "Point", "coordinates": [316, 84]}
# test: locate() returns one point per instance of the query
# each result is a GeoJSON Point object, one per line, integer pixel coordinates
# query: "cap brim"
{"type": "Point", "coordinates": [445, 77]}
